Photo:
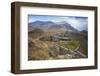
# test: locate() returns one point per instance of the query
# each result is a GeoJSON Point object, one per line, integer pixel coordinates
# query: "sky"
{"type": "Point", "coordinates": [79, 23]}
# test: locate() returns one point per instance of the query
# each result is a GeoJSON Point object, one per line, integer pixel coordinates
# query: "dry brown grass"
{"type": "Point", "coordinates": [39, 51]}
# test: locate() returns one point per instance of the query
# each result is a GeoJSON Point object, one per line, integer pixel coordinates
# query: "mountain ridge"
{"type": "Point", "coordinates": [51, 25]}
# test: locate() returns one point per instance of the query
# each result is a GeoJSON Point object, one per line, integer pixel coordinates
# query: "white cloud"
{"type": "Point", "coordinates": [78, 23]}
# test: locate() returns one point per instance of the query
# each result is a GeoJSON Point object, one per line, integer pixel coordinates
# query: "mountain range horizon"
{"type": "Point", "coordinates": [52, 24]}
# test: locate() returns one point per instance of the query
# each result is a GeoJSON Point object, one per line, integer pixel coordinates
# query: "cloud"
{"type": "Point", "coordinates": [80, 23]}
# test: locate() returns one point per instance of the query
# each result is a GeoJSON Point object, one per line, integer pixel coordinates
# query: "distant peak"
{"type": "Point", "coordinates": [37, 21]}
{"type": "Point", "coordinates": [62, 22]}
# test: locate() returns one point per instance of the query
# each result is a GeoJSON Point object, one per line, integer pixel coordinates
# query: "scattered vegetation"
{"type": "Point", "coordinates": [71, 44]}
{"type": "Point", "coordinates": [45, 46]}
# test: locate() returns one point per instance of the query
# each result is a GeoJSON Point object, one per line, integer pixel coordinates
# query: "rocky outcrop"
{"type": "Point", "coordinates": [59, 52]}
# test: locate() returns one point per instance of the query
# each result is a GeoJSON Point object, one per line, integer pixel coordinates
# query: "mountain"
{"type": "Point", "coordinates": [84, 32]}
{"type": "Point", "coordinates": [51, 25]}
{"type": "Point", "coordinates": [68, 26]}
{"type": "Point", "coordinates": [42, 24]}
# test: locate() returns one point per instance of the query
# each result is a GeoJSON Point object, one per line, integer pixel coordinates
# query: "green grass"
{"type": "Point", "coordinates": [71, 44]}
